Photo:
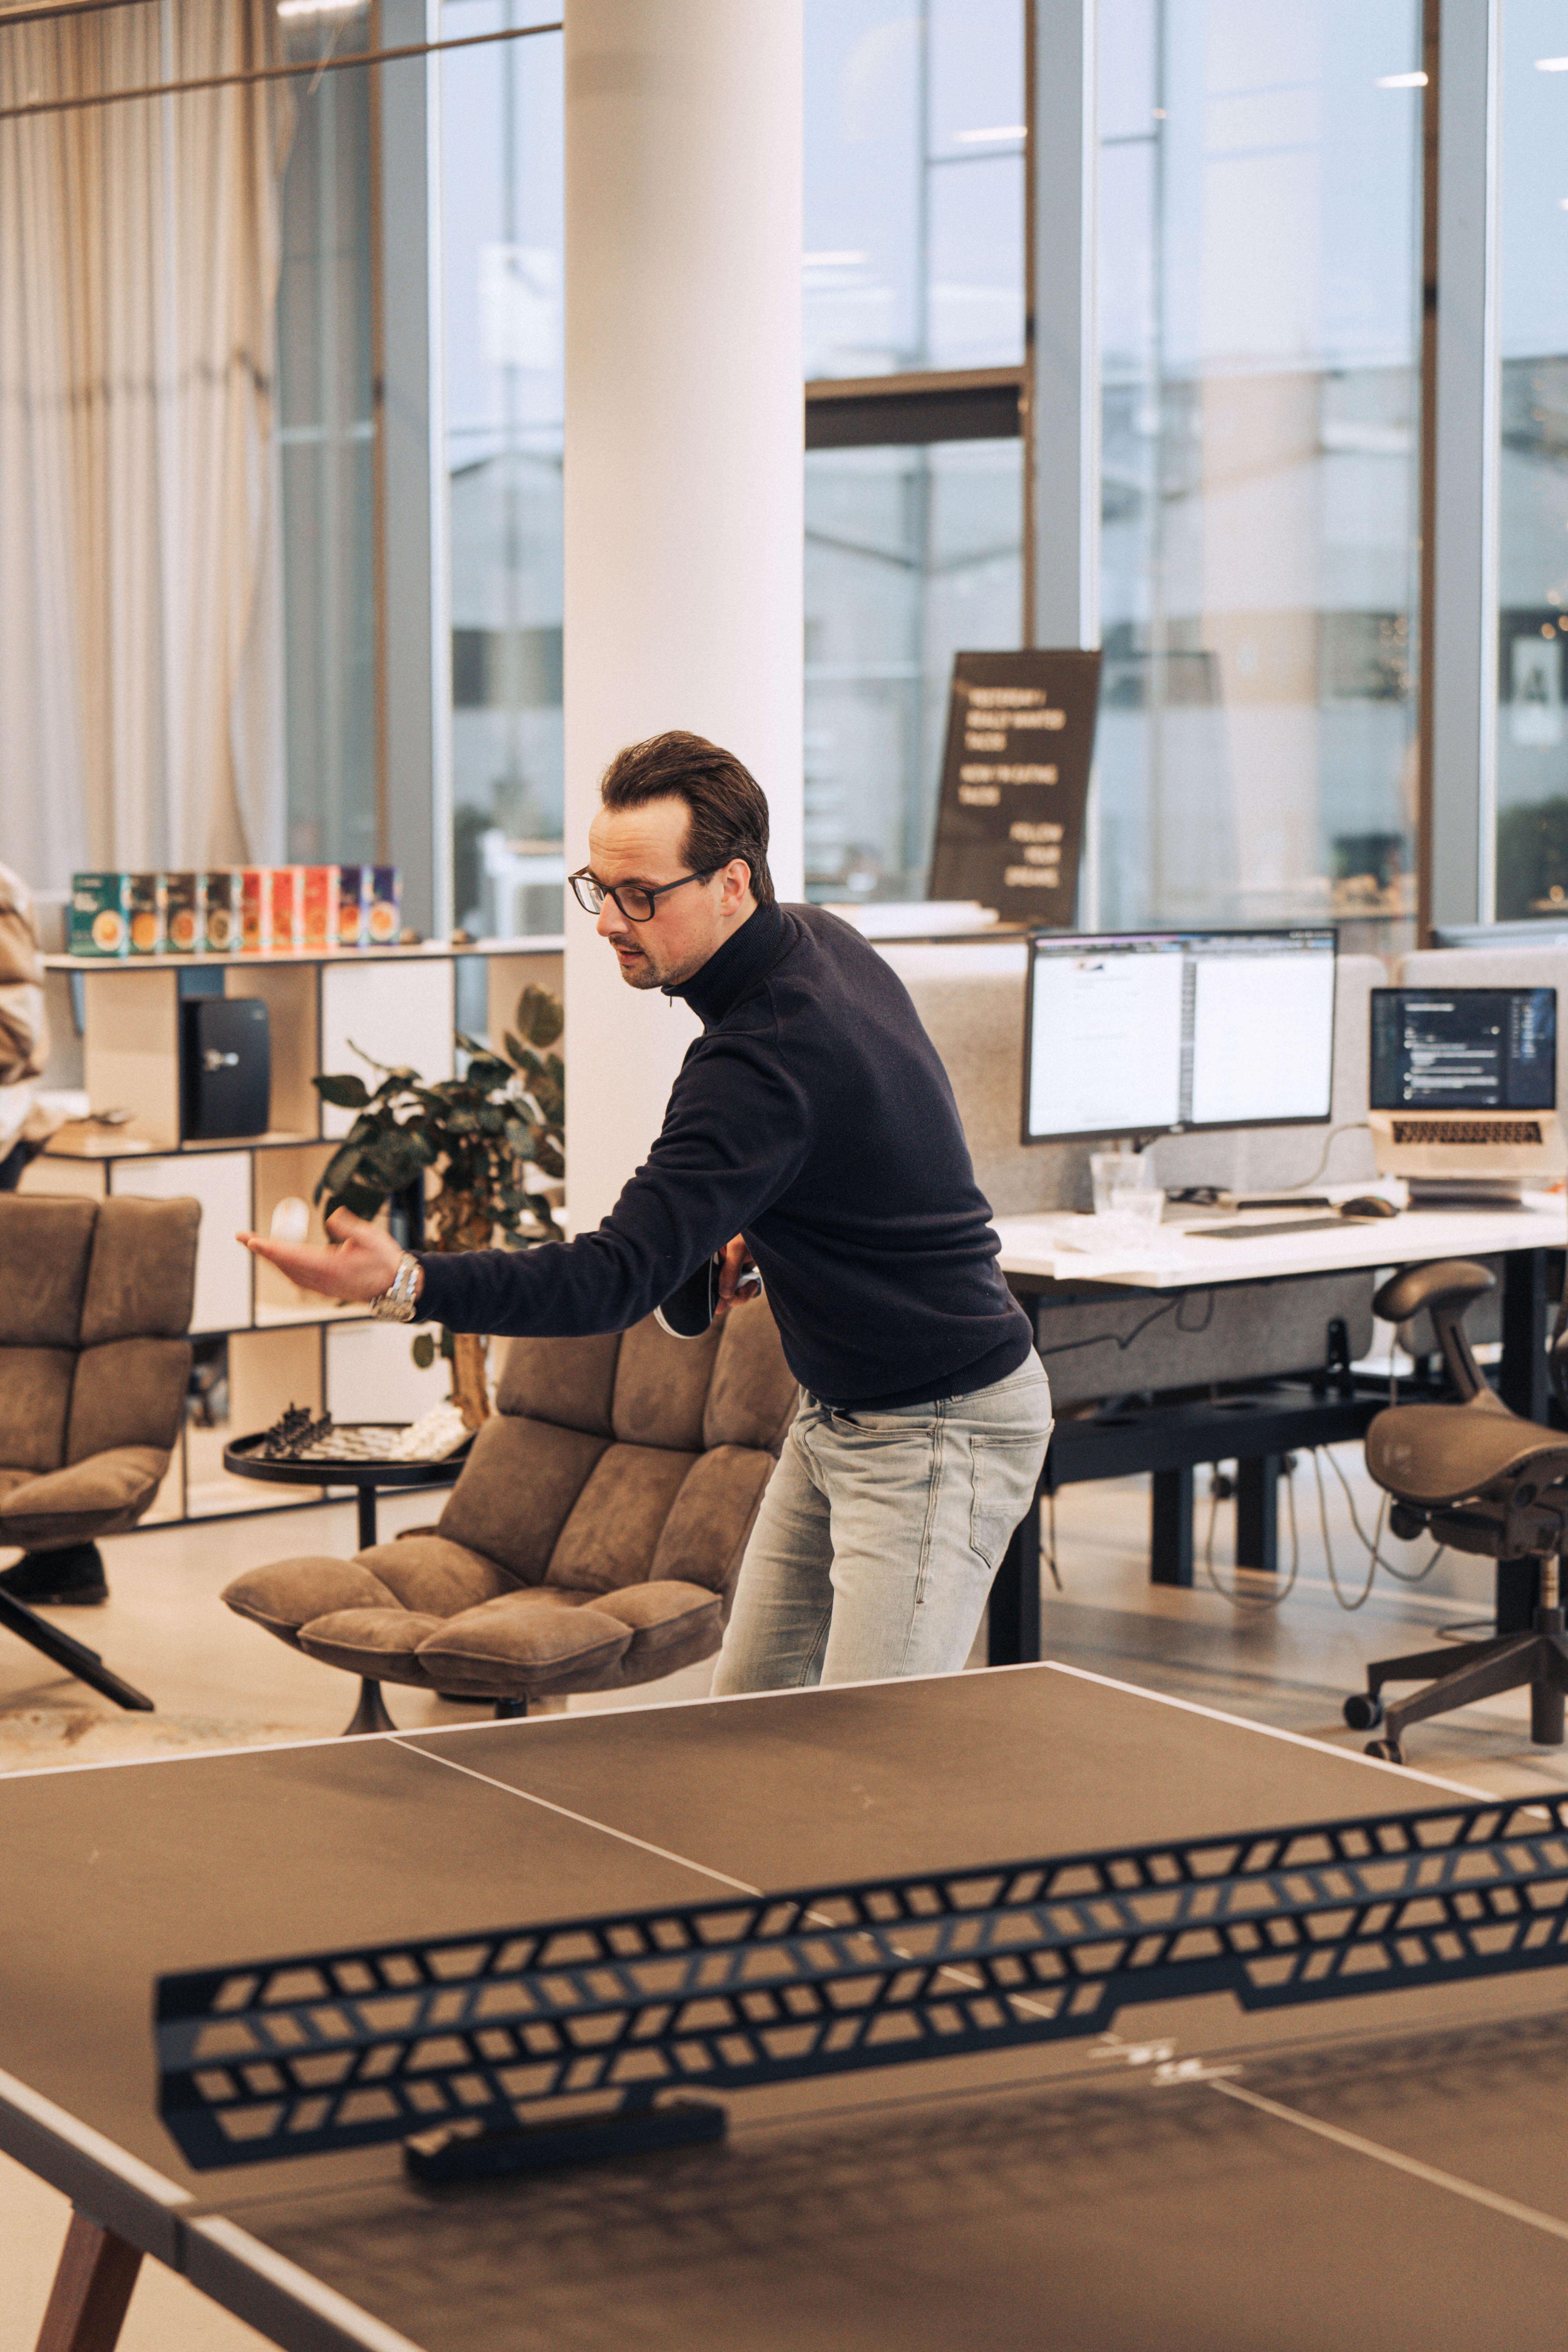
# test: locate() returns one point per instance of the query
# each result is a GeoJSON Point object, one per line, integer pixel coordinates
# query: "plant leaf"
{"type": "Point", "coordinates": [346, 1091]}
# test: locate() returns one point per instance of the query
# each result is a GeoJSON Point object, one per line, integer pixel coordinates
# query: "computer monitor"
{"type": "Point", "coordinates": [1149, 1033]}
{"type": "Point", "coordinates": [1464, 1049]}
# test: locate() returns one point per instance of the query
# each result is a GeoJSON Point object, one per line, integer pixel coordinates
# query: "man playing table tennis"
{"type": "Point", "coordinates": [812, 1130]}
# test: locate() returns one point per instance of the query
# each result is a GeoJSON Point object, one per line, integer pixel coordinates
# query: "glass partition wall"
{"type": "Point", "coordinates": [1532, 504]}
{"type": "Point", "coordinates": [1260, 323]}
{"type": "Point", "coordinates": [1260, 301]}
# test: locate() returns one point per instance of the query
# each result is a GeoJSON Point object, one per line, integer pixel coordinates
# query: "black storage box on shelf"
{"type": "Point", "coordinates": [225, 1067]}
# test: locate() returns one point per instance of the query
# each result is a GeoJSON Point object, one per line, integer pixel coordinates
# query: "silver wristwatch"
{"type": "Point", "coordinates": [395, 1304]}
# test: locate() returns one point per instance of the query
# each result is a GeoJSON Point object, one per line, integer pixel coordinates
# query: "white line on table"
{"type": "Point", "coordinates": [1508, 2206]}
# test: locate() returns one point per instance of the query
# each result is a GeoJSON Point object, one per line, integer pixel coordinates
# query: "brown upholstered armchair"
{"type": "Point", "coordinates": [592, 1540]}
{"type": "Point", "coordinates": [95, 1300]}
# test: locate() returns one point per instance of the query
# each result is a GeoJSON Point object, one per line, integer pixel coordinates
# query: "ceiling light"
{"type": "Point", "coordinates": [832, 260]}
{"type": "Point", "coordinates": [988, 138]}
{"type": "Point", "coordinates": [1551, 65]}
{"type": "Point", "coordinates": [322, 7]}
{"type": "Point", "coordinates": [1401, 81]}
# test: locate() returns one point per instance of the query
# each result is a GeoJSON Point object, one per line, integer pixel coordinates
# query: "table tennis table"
{"type": "Point", "coordinates": [1045, 2012]}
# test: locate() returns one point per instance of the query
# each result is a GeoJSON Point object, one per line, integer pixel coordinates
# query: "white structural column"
{"type": "Point", "coordinates": [1062, 581]}
{"type": "Point", "coordinates": [684, 472]}
{"type": "Point", "coordinates": [1460, 630]}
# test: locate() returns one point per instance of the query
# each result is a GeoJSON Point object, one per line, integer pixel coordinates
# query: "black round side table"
{"type": "Point", "coordinates": [367, 1478]}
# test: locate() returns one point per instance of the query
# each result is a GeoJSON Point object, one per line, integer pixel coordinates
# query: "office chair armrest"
{"type": "Point", "coordinates": [1445, 1289]}
{"type": "Point", "coordinates": [1447, 1282]}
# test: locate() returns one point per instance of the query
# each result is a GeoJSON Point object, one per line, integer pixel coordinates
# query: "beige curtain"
{"type": "Point", "coordinates": [141, 640]}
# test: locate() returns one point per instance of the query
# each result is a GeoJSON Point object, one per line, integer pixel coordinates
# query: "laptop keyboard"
{"type": "Point", "coordinates": [1467, 1130]}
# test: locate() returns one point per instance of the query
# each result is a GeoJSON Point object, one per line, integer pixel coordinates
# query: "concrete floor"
{"type": "Point", "coordinates": [219, 1683]}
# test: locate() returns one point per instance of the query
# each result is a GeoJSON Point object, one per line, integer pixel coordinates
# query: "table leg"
{"type": "Point", "coordinates": [1012, 1620]}
{"type": "Point", "coordinates": [1523, 1381]}
{"type": "Point", "coordinates": [1257, 1513]}
{"type": "Point", "coordinates": [365, 1498]}
{"type": "Point", "coordinates": [1171, 1527]}
{"type": "Point", "coordinates": [91, 2290]}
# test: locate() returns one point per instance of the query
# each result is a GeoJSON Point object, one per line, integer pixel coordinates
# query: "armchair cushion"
{"type": "Point", "coordinates": [613, 1531]}
{"type": "Point", "coordinates": [47, 1244]}
{"type": "Point", "coordinates": [517, 1487]}
{"type": "Point", "coordinates": [753, 1395]}
{"type": "Point", "coordinates": [380, 1643]}
{"type": "Point", "coordinates": [539, 1639]}
{"type": "Point", "coordinates": [702, 1541]}
{"type": "Point", "coordinates": [142, 1274]}
{"type": "Point", "coordinates": [291, 1593]}
{"type": "Point", "coordinates": [96, 1498]}
{"type": "Point", "coordinates": [128, 1392]}
{"type": "Point", "coordinates": [35, 1400]}
{"type": "Point", "coordinates": [660, 1390]}
{"type": "Point", "coordinates": [569, 1382]}
{"type": "Point", "coordinates": [430, 1574]}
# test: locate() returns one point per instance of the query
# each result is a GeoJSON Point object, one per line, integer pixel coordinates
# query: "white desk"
{"type": "Point", "coordinates": [1178, 1258]}
{"type": "Point", "coordinates": [1168, 1440]}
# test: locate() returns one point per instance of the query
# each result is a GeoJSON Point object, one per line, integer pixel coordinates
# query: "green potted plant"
{"type": "Point", "coordinates": [476, 1136]}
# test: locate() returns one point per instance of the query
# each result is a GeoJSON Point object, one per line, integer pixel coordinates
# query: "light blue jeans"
{"type": "Point", "coordinates": [879, 1536]}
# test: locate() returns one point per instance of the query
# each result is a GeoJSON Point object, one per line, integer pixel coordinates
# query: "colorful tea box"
{"type": "Point", "coordinates": [183, 920]}
{"type": "Point", "coordinates": [385, 905]}
{"type": "Point", "coordinates": [221, 891]}
{"type": "Point", "coordinates": [286, 886]}
{"type": "Point", "coordinates": [148, 933]}
{"type": "Point", "coordinates": [255, 909]}
{"type": "Point", "coordinates": [100, 914]}
{"type": "Point", "coordinates": [355, 884]}
{"type": "Point", "coordinates": [321, 906]}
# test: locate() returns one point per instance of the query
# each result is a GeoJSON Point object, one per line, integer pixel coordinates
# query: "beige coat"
{"type": "Point", "coordinates": [24, 1034]}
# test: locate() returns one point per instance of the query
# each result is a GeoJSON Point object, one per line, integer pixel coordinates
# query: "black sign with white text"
{"type": "Point", "coordinates": [1014, 778]}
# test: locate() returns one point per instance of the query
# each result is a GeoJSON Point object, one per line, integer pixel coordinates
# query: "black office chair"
{"type": "Point", "coordinates": [1477, 1478]}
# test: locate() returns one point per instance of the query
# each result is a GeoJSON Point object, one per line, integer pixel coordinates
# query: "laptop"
{"type": "Point", "coordinates": [1464, 1090]}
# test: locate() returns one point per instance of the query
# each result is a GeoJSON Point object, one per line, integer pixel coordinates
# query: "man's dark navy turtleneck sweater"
{"type": "Point", "coordinates": [813, 1117]}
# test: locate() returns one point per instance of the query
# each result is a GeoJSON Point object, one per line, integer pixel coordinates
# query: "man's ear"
{"type": "Point", "coordinates": [735, 883]}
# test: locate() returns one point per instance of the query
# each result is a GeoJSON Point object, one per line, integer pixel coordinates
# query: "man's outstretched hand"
{"type": "Point", "coordinates": [358, 1267]}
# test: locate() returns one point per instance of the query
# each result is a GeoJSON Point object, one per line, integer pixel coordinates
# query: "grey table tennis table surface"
{"type": "Point", "coordinates": [1392, 2171]}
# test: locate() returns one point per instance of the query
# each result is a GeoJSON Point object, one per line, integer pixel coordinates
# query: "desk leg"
{"type": "Point", "coordinates": [1171, 1527]}
{"type": "Point", "coordinates": [1012, 1619]}
{"type": "Point", "coordinates": [1257, 1513]}
{"type": "Point", "coordinates": [366, 1497]}
{"type": "Point", "coordinates": [91, 2290]}
{"type": "Point", "coordinates": [1523, 1381]}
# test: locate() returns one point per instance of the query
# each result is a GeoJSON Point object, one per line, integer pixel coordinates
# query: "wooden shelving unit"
{"type": "Point", "coordinates": [264, 1343]}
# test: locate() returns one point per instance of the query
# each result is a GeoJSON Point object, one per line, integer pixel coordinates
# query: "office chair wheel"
{"type": "Point", "coordinates": [1362, 1712]}
{"type": "Point", "coordinates": [1388, 1751]}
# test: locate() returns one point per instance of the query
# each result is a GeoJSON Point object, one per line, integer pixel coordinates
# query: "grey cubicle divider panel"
{"type": "Point", "coordinates": [1106, 1347]}
{"type": "Point", "coordinates": [970, 996]}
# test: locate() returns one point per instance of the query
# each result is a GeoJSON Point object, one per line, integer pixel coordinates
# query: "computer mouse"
{"type": "Point", "coordinates": [1369, 1204]}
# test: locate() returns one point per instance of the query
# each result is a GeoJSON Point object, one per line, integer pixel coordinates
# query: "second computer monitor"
{"type": "Point", "coordinates": [1149, 1033]}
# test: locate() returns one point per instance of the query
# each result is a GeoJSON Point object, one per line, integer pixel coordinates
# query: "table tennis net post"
{"type": "Point", "coordinates": [603, 2019]}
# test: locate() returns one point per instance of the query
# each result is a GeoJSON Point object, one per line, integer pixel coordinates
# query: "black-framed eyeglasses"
{"type": "Point", "coordinates": [634, 899]}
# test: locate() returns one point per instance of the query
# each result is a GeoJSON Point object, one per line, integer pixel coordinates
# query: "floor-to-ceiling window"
{"type": "Point", "coordinates": [326, 451]}
{"type": "Point", "coordinates": [1532, 503]}
{"type": "Point", "coordinates": [1260, 309]}
{"type": "Point", "coordinates": [914, 343]}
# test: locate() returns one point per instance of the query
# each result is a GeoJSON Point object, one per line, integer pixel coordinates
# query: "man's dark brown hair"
{"type": "Point", "coordinates": [727, 812]}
